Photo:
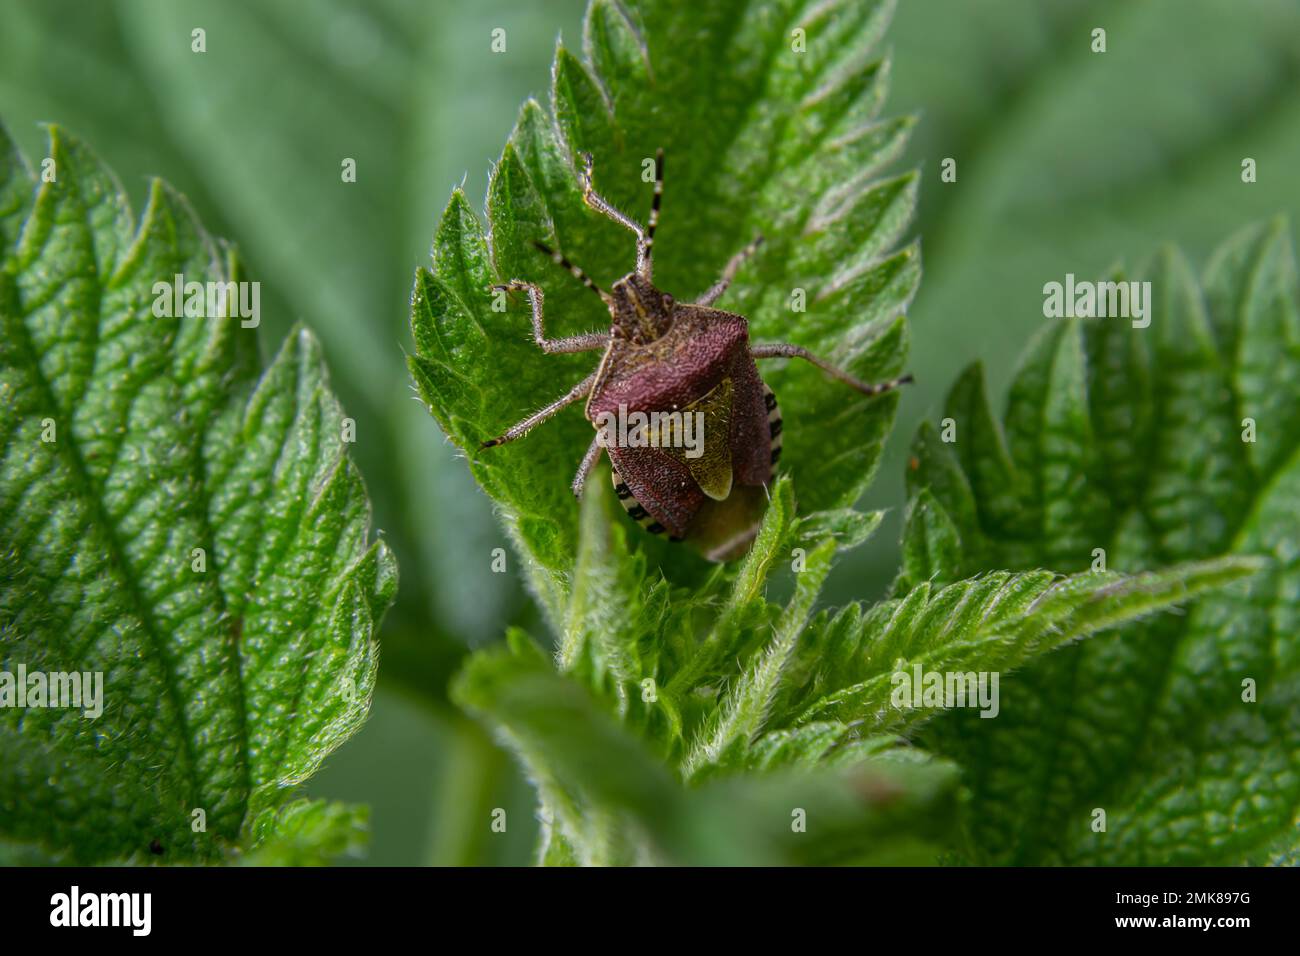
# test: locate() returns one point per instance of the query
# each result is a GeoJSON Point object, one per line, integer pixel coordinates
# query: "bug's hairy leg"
{"type": "Point", "coordinates": [589, 460]}
{"type": "Point", "coordinates": [603, 206]}
{"type": "Point", "coordinates": [729, 273]}
{"type": "Point", "coordinates": [783, 350]}
{"type": "Point", "coordinates": [574, 343]}
{"type": "Point", "coordinates": [522, 428]}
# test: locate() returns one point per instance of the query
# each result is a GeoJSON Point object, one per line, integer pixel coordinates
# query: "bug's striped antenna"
{"type": "Point", "coordinates": [654, 204]}
{"type": "Point", "coordinates": [559, 259]}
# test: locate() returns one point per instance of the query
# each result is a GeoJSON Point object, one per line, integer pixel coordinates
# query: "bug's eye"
{"type": "Point", "coordinates": [669, 301]}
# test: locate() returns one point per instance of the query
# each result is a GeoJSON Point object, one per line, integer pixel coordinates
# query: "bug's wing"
{"type": "Point", "coordinates": [663, 486]}
{"type": "Point", "coordinates": [656, 489]}
{"type": "Point", "coordinates": [709, 462]}
{"type": "Point", "coordinates": [726, 338]}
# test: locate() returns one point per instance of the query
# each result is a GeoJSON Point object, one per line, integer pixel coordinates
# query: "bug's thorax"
{"type": "Point", "coordinates": [640, 312]}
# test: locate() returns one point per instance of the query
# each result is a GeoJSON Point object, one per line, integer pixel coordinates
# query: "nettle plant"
{"type": "Point", "coordinates": [1137, 448]}
{"type": "Point", "coordinates": [683, 711]}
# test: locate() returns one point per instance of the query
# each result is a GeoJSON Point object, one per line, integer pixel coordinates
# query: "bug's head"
{"type": "Point", "coordinates": [641, 312]}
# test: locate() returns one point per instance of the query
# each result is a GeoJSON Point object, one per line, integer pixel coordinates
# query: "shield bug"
{"type": "Point", "coordinates": [692, 431]}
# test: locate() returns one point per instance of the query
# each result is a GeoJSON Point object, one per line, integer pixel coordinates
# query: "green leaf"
{"type": "Point", "coordinates": [589, 771]}
{"type": "Point", "coordinates": [177, 520]}
{"type": "Point", "coordinates": [991, 624]}
{"type": "Point", "coordinates": [745, 708]}
{"type": "Point", "coordinates": [606, 801]}
{"type": "Point", "coordinates": [888, 807]}
{"type": "Point", "coordinates": [308, 833]}
{"type": "Point", "coordinates": [617, 616]}
{"type": "Point", "coordinates": [744, 599]}
{"type": "Point", "coordinates": [931, 544]}
{"type": "Point", "coordinates": [1135, 441]}
{"type": "Point", "coordinates": [769, 122]}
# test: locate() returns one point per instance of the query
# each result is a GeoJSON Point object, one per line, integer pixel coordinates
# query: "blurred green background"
{"type": "Point", "coordinates": [1067, 161]}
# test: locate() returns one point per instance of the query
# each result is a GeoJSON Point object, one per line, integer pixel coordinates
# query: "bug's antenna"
{"type": "Point", "coordinates": [558, 258]}
{"type": "Point", "coordinates": [654, 209]}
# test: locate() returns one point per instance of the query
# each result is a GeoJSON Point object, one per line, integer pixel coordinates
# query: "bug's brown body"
{"type": "Point", "coordinates": [705, 352]}
{"type": "Point", "coordinates": [661, 356]}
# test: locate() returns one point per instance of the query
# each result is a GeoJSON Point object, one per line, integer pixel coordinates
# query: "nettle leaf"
{"type": "Point", "coordinates": [178, 520]}
{"type": "Point", "coordinates": [588, 770]}
{"type": "Point", "coordinates": [308, 833]}
{"type": "Point", "coordinates": [931, 544]}
{"type": "Point", "coordinates": [780, 135]}
{"type": "Point", "coordinates": [606, 800]}
{"type": "Point", "coordinates": [1169, 443]}
{"type": "Point", "coordinates": [991, 624]}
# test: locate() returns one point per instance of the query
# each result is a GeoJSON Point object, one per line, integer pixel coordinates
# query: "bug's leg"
{"type": "Point", "coordinates": [588, 462]}
{"type": "Point", "coordinates": [522, 428]}
{"type": "Point", "coordinates": [729, 273]}
{"type": "Point", "coordinates": [603, 206]}
{"type": "Point", "coordinates": [782, 350]}
{"type": "Point", "coordinates": [574, 343]}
